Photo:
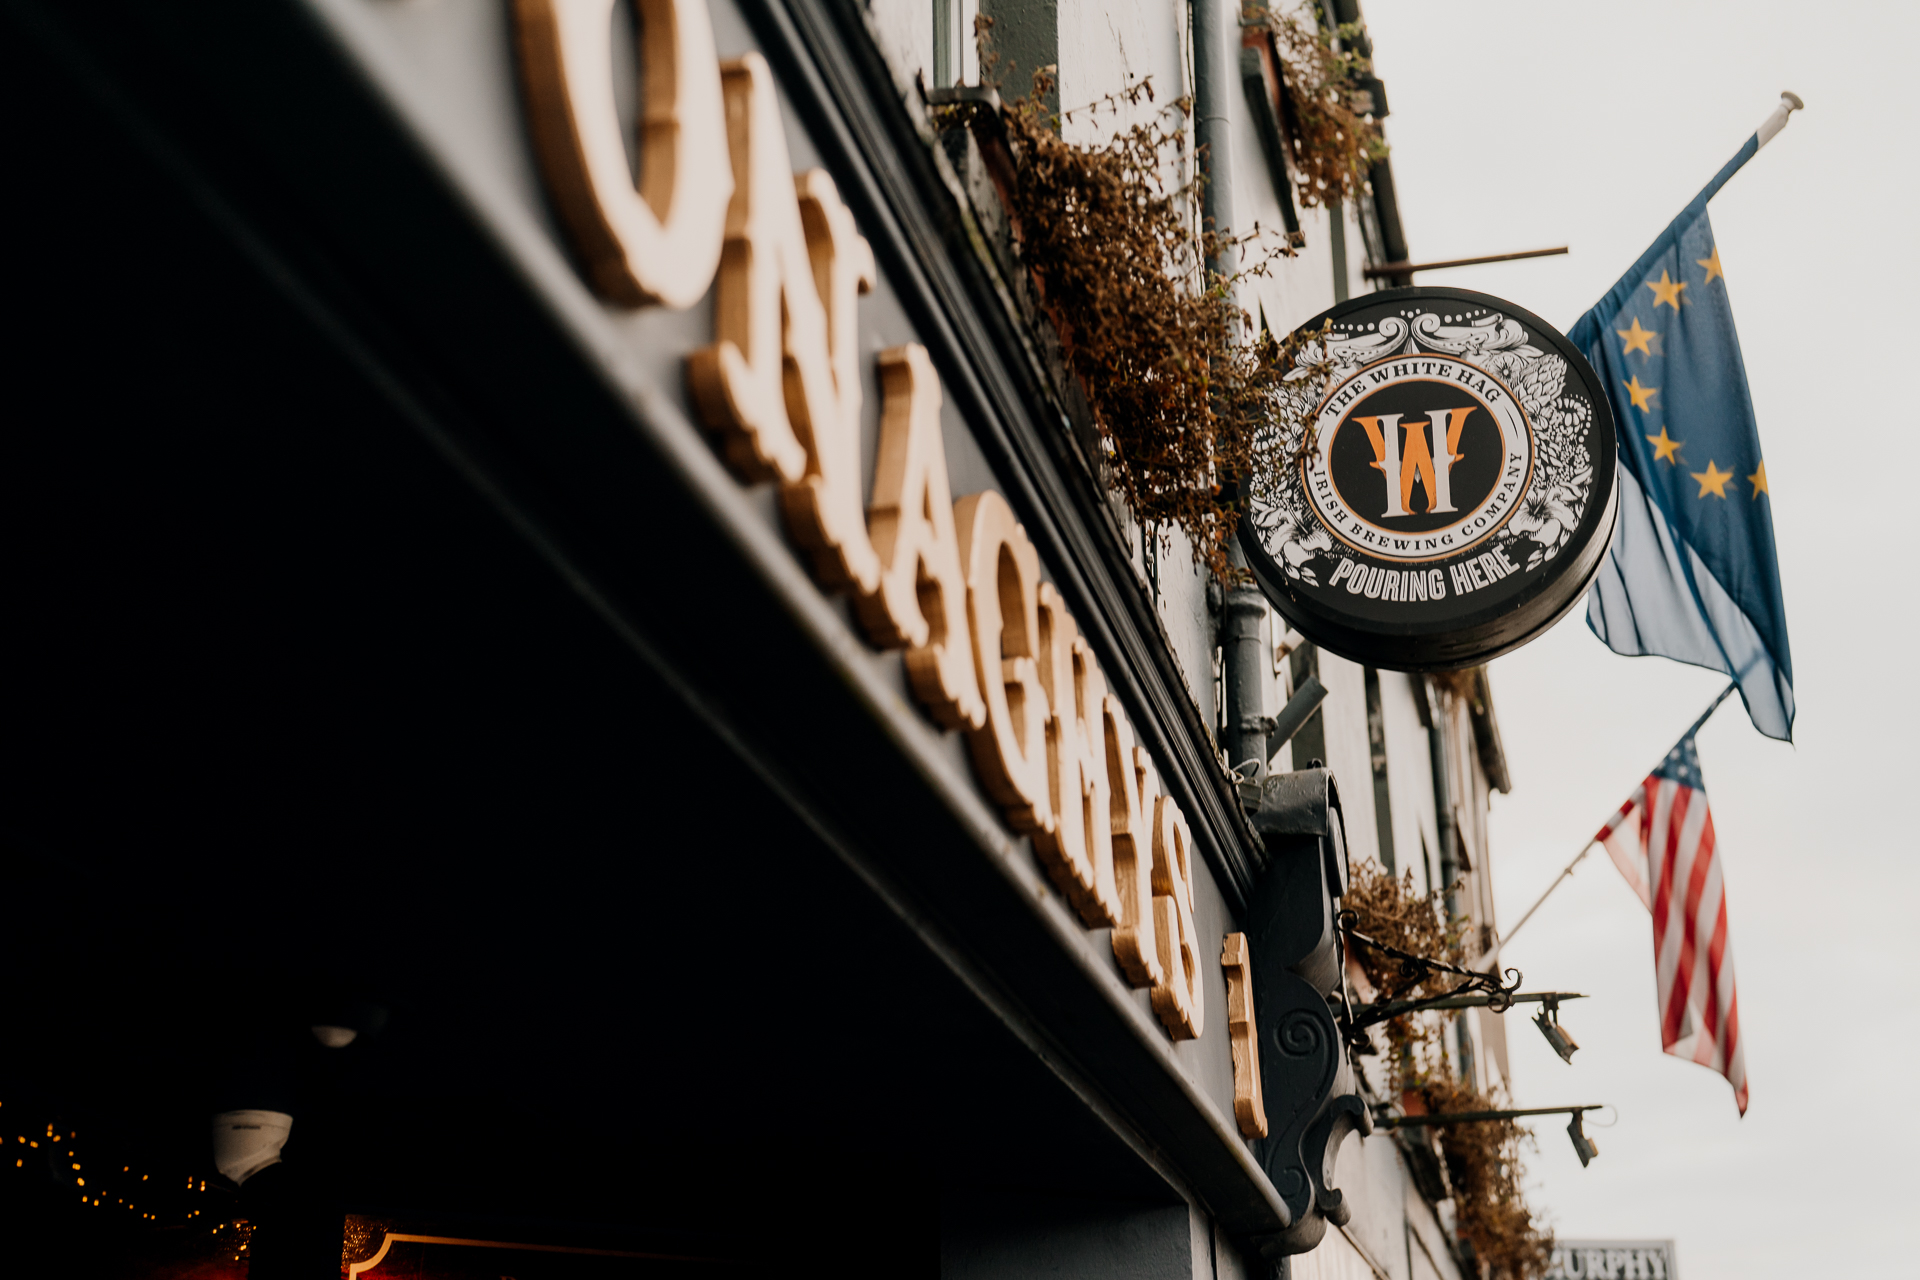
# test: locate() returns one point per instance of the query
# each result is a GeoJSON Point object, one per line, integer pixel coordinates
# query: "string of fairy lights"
{"type": "Point", "coordinates": [136, 1198]}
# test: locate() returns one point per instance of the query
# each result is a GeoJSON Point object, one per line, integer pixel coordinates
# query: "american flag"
{"type": "Point", "coordinates": [1662, 841]}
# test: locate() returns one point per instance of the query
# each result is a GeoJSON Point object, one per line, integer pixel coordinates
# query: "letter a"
{"type": "Point", "coordinates": [920, 603]}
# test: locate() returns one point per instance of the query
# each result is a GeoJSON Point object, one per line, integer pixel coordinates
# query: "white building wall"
{"type": "Point", "coordinates": [1291, 289]}
{"type": "Point", "coordinates": [1409, 777]}
{"type": "Point", "coordinates": [1349, 754]}
{"type": "Point", "coordinates": [1180, 592]}
{"type": "Point", "coordinates": [1103, 49]}
{"type": "Point", "coordinates": [1335, 1259]}
{"type": "Point", "coordinates": [1426, 1246]}
{"type": "Point", "coordinates": [904, 31]}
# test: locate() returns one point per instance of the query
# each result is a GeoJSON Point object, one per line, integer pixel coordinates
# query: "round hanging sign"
{"type": "Point", "coordinates": [1444, 483]}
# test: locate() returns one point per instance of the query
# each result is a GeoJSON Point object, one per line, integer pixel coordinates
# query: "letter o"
{"type": "Point", "coordinates": [659, 242]}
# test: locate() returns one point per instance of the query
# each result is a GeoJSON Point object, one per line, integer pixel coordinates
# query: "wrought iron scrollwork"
{"type": "Point", "coordinates": [1415, 969]}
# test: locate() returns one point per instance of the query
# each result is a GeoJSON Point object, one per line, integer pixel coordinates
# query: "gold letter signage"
{"type": "Point", "coordinates": [922, 600]}
{"type": "Point", "coordinates": [658, 243]}
{"type": "Point", "coordinates": [990, 649]}
{"type": "Point", "coordinates": [1003, 600]}
{"type": "Point", "coordinates": [1078, 852]}
{"type": "Point", "coordinates": [1249, 1108]}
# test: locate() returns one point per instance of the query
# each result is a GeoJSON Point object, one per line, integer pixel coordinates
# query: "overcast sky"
{"type": "Point", "coordinates": [1520, 125]}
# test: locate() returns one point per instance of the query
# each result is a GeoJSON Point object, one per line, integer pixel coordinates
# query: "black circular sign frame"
{"type": "Point", "coordinates": [1448, 492]}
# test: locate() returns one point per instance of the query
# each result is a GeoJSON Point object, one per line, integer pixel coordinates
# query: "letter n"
{"type": "Point", "coordinates": [766, 304]}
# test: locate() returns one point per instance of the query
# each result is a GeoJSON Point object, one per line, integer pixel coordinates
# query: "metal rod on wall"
{"type": "Point", "coordinates": [1305, 701]}
{"type": "Point", "coordinates": [1386, 269]}
{"type": "Point", "coordinates": [1477, 1117]}
{"type": "Point", "coordinates": [1368, 1014]}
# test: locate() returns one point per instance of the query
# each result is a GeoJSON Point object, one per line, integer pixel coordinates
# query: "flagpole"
{"type": "Point", "coordinates": [1711, 708]}
{"type": "Point", "coordinates": [1562, 877]}
{"type": "Point", "coordinates": [1585, 330]}
{"type": "Point", "coordinates": [1773, 124]}
{"type": "Point", "coordinates": [1542, 899]}
{"type": "Point", "coordinates": [1769, 129]}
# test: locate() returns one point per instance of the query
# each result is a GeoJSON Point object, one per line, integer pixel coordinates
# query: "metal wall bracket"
{"type": "Point", "coordinates": [1313, 1100]}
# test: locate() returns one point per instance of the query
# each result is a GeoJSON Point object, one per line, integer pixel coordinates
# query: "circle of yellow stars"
{"type": "Point", "coordinates": [1668, 292]}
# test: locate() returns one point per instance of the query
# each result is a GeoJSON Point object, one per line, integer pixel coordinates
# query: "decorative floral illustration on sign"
{"type": "Point", "coordinates": [1558, 488]}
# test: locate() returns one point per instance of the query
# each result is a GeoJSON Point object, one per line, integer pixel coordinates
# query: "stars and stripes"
{"type": "Point", "coordinates": [1662, 840]}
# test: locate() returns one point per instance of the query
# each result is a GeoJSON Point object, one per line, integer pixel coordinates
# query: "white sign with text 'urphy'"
{"type": "Point", "coordinates": [1612, 1260]}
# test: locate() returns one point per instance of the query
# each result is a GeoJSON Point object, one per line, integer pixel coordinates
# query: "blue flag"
{"type": "Point", "coordinates": [1692, 573]}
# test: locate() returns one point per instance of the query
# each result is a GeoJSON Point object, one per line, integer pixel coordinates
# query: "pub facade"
{"type": "Point", "coordinates": [588, 706]}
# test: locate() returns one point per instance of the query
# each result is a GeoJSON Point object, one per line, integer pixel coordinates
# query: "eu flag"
{"type": "Point", "coordinates": [1692, 573]}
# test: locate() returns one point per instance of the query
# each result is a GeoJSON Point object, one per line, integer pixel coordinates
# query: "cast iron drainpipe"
{"type": "Point", "coordinates": [1241, 657]}
{"type": "Point", "coordinates": [1447, 834]}
{"type": "Point", "coordinates": [1443, 828]}
{"type": "Point", "coordinates": [1215, 57]}
{"type": "Point", "coordinates": [1213, 66]}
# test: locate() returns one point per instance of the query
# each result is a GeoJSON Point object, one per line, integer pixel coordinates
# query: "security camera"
{"type": "Point", "coordinates": [1583, 1146]}
{"type": "Point", "coordinates": [1548, 1020]}
{"type": "Point", "coordinates": [1558, 1036]}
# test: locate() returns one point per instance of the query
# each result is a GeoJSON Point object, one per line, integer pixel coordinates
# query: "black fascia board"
{"type": "Point", "coordinates": [270, 117]}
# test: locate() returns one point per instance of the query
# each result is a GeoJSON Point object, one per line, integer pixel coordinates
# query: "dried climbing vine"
{"type": "Point", "coordinates": [1182, 390]}
{"type": "Point", "coordinates": [1483, 1158]}
{"type": "Point", "coordinates": [1391, 912]}
{"type": "Point", "coordinates": [1190, 398]}
{"type": "Point", "coordinates": [1484, 1166]}
{"type": "Point", "coordinates": [1461, 685]}
{"type": "Point", "coordinates": [1335, 140]}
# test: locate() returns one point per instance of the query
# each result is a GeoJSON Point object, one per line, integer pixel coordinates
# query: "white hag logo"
{"type": "Point", "coordinates": [1419, 462]}
{"type": "Point", "coordinates": [1418, 458]}
{"type": "Point", "coordinates": [1449, 484]}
